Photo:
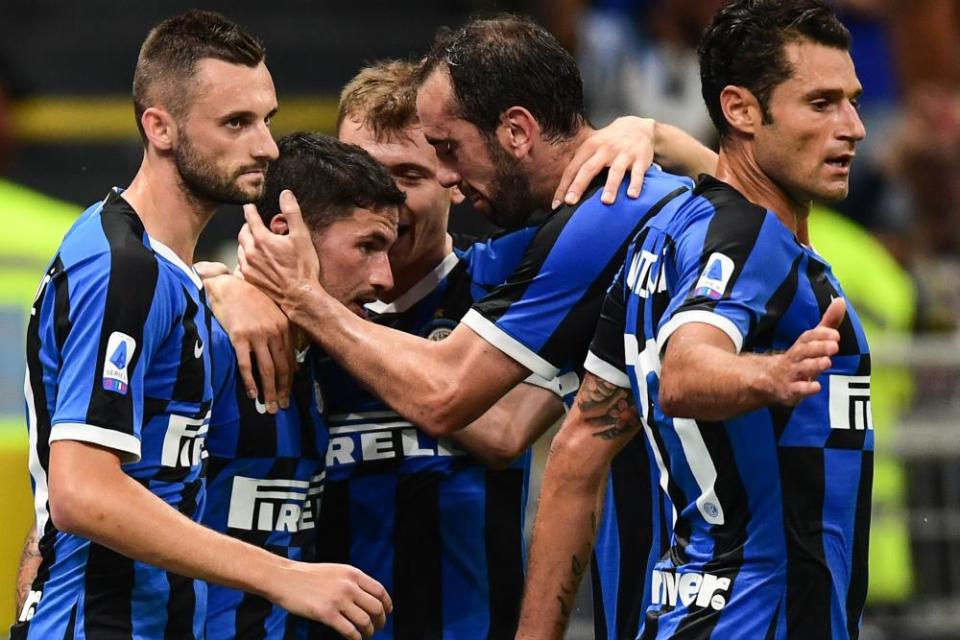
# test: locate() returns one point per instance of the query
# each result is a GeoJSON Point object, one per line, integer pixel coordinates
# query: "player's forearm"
{"type": "Point", "coordinates": [567, 516]}
{"type": "Point", "coordinates": [112, 509]}
{"type": "Point", "coordinates": [427, 382]}
{"type": "Point", "coordinates": [707, 383]}
{"type": "Point", "coordinates": [677, 151]}
{"type": "Point", "coordinates": [510, 426]}
{"type": "Point", "coordinates": [29, 564]}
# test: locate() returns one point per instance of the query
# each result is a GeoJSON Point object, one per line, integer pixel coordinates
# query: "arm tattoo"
{"type": "Point", "coordinates": [578, 566]}
{"type": "Point", "coordinates": [609, 406]}
{"type": "Point", "coordinates": [29, 563]}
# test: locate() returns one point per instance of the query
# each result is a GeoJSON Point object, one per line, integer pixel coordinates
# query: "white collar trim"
{"type": "Point", "coordinates": [168, 254]}
{"type": "Point", "coordinates": [419, 291]}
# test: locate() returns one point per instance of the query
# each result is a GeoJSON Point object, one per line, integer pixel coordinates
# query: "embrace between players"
{"type": "Point", "coordinates": [714, 468]}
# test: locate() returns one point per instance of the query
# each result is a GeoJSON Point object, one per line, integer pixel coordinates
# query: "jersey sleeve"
{"type": "Point", "coordinates": [117, 311]}
{"type": "Point", "coordinates": [724, 269]}
{"type": "Point", "coordinates": [544, 314]}
{"type": "Point", "coordinates": [606, 358]}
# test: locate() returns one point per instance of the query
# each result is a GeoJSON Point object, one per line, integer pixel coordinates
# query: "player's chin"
{"type": "Point", "coordinates": [357, 308]}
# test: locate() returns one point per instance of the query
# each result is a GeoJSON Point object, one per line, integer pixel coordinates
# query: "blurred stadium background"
{"type": "Point", "coordinates": [67, 134]}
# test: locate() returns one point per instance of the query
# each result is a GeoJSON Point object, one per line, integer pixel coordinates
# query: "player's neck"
{"type": "Point", "coordinates": [409, 275]}
{"type": "Point", "coordinates": [169, 213]}
{"type": "Point", "coordinates": [551, 162]}
{"type": "Point", "coordinates": [738, 167]}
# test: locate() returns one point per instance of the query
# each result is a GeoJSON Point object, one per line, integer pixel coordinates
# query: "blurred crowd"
{"type": "Point", "coordinates": [639, 57]}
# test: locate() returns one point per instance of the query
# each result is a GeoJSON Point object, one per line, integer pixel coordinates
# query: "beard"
{"type": "Point", "coordinates": [202, 177]}
{"type": "Point", "coordinates": [511, 201]}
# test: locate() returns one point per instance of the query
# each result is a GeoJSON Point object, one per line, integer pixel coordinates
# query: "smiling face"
{"type": "Point", "coordinates": [224, 145]}
{"type": "Point", "coordinates": [808, 145]}
{"type": "Point", "coordinates": [485, 173]}
{"type": "Point", "coordinates": [353, 253]}
{"type": "Point", "coordinates": [412, 163]}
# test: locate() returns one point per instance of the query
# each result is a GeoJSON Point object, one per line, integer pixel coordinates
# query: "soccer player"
{"type": "Point", "coordinates": [265, 472]}
{"type": "Point", "coordinates": [726, 340]}
{"type": "Point", "coordinates": [118, 387]}
{"type": "Point", "coordinates": [501, 103]}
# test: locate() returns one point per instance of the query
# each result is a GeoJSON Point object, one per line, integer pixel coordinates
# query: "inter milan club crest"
{"type": "Point", "coordinates": [438, 329]}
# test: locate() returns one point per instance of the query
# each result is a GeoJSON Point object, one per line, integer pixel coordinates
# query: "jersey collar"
{"type": "Point", "coordinates": [419, 291]}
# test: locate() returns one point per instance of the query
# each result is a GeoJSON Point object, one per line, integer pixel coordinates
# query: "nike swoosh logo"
{"type": "Point", "coordinates": [261, 408]}
{"type": "Point", "coordinates": [198, 349]}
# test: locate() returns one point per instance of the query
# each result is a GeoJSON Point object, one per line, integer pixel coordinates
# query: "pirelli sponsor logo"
{"type": "Point", "coordinates": [380, 435]}
{"type": "Point", "coordinates": [689, 589]}
{"type": "Point", "coordinates": [183, 441]}
{"type": "Point", "coordinates": [284, 506]}
{"type": "Point", "coordinates": [850, 403]}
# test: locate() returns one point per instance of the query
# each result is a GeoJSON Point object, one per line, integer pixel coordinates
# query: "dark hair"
{"type": "Point", "coordinates": [329, 178]}
{"type": "Point", "coordinates": [507, 61]}
{"type": "Point", "coordinates": [169, 56]}
{"type": "Point", "coordinates": [744, 46]}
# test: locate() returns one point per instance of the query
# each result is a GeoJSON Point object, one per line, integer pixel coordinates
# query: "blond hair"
{"type": "Point", "coordinates": [383, 97]}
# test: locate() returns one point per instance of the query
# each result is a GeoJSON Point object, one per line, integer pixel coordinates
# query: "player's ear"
{"type": "Point", "coordinates": [278, 224]}
{"type": "Point", "coordinates": [159, 127]}
{"type": "Point", "coordinates": [518, 131]}
{"type": "Point", "coordinates": [741, 109]}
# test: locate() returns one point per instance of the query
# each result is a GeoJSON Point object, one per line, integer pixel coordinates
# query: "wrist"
{"type": "Point", "coordinates": [762, 379]}
{"type": "Point", "coordinates": [304, 299]}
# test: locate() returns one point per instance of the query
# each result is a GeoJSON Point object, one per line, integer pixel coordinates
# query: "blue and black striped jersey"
{"type": "Point", "coordinates": [442, 532]}
{"type": "Point", "coordinates": [117, 356]}
{"type": "Point", "coordinates": [543, 317]}
{"type": "Point", "coordinates": [264, 482]}
{"type": "Point", "coordinates": [772, 507]}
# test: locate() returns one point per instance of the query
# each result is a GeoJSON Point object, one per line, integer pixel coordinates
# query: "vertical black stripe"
{"type": "Point", "coordinates": [251, 617]}
{"type": "Point", "coordinates": [108, 586]}
{"type": "Point", "coordinates": [771, 633]}
{"type": "Point", "coordinates": [571, 338]}
{"type": "Point", "coordinates": [504, 543]}
{"type": "Point", "coordinates": [809, 583]}
{"type": "Point", "coordinates": [61, 305]}
{"type": "Point", "coordinates": [182, 601]}
{"type": "Point", "coordinates": [71, 624]}
{"type": "Point", "coordinates": [761, 337]}
{"type": "Point", "coordinates": [191, 374]}
{"type": "Point", "coordinates": [857, 590]}
{"type": "Point", "coordinates": [730, 537]}
{"type": "Point", "coordinates": [418, 613]}
{"type": "Point", "coordinates": [181, 605]}
{"type": "Point", "coordinates": [333, 539]}
{"type": "Point", "coordinates": [257, 434]}
{"type": "Point", "coordinates": [634, 501]}
{"type": "Point", "coordinates": [599, 615]}
{"type": "Point", "coordinates": [133, 282]}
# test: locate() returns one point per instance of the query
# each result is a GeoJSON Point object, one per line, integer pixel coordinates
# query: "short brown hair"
{"type": "Point", "coordinates": [169, 56]}
{"type": "Point", "coordinates": [383, 97]}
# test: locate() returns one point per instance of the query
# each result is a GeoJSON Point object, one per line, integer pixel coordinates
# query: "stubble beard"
{"type": "Point", "coordinates": [202, 180]}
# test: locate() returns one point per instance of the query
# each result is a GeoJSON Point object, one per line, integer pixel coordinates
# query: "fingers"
{"type": "Point", "coordinates": [834, 314]}
{"type": "Point", "coordinates": [360, 619]}
{"type": "Point", "coordinates": [344, 627]}
{"type": "Point", "coordinates": [636, 178]}
{"type": "Point", "coordinates": [245, 364]}
{"type": "Point", "coordinates": [267, 370]}
{"type": "Point", "coordinates": [377, 590]}
{"type": "Point", "coordinates": [252, 216]}
{"type": "Point", "coordinates": [569, 173]}
{"type": "Point", "coordinates": [281, 354]}
{"type": "Point", "coordinates": [291, 211]}
{"type": "Point", "coordinates": [614, 178]}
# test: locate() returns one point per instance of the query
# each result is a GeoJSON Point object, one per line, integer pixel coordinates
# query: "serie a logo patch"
{"type": "Point", "coordinates": [715, 277]}
{"type": "Point", "coordinates": [119, 352]}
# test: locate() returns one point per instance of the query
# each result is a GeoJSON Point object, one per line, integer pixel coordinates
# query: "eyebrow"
{"type": "Point", "coordinates": [833, 94]}
{"type": "Point", "coordinates": [248, 115]}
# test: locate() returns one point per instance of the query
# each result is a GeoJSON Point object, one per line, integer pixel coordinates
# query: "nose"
{"type": "Point", "coordinates": [852, 126]}
{"type": "Point", "coordinates": [265, 146]}
{"type": "Point", "coordinates": [447, 176]}
{"type": "Point", "coordinates": [381, 277]}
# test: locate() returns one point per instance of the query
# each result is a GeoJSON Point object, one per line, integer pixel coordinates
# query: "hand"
{"type": "Point", "coordinates": [278, 264]}
{"type": "Point", "coordinates": [795, 372]}
{"type": "Point", "coordinates": [625, 144]}
{"type": "Point", "coordinates": [255, 325]}
{"type": "Point", "coordinates": [337, 595]}
{"type": "Point", "coordinates": [208, 270]}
